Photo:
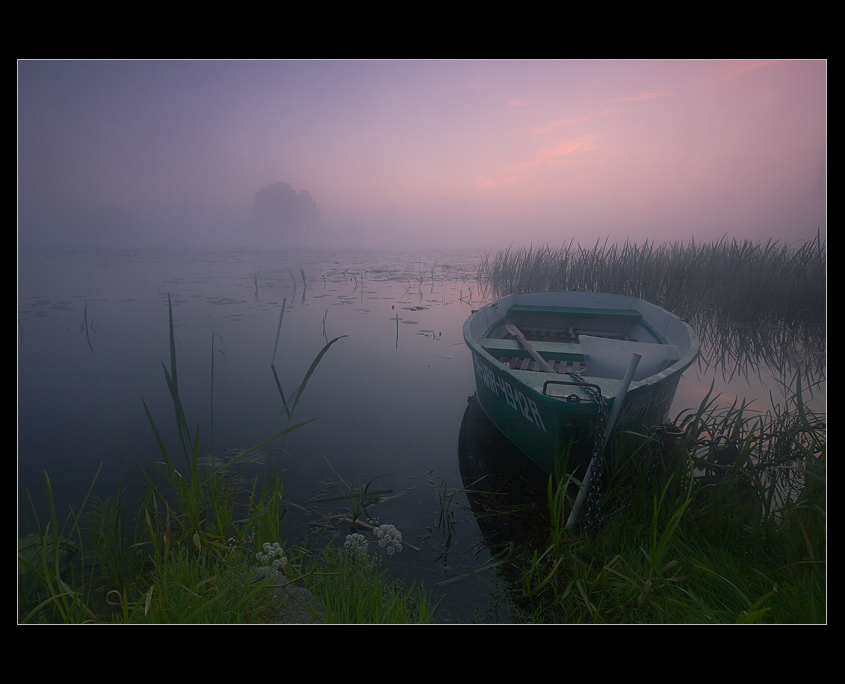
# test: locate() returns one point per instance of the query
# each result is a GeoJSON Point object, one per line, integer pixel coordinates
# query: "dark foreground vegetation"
{"type": "Point", "coordinates": [723, 522]}
{"type": "Point", "coordinates": [695, 538]}
{"type": "Point", "coordinates": [205, 547]}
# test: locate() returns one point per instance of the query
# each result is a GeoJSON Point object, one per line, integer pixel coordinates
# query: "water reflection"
{"type": "Point", "coordinates": [742, 349]}
{"type": "Point", "coordinates": [390, 398]}
{"type": "Point", "coordinates": [505, 489]}
{"type": "Point", "coordinates": [506, 493]}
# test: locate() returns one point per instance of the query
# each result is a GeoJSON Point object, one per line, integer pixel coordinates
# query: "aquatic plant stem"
{"type": "Point", "coordinates": [278, 332]}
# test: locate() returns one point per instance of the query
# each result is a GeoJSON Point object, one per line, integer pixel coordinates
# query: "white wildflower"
{"type": "Point", "coordinates": [272, 559]}
{"type": "Point", "coordinates": [356, 544]}
{"type": "Point", "coordinates": [389, 538]}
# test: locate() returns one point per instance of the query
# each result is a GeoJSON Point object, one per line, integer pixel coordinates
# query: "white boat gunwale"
{"type": "Point", "coordinates": [626, 310]}
{"type": "Point", "coordinates": [553, 403]}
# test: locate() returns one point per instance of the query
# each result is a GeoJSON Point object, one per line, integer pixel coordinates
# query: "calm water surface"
{"type": "Point", "coordinates": [390, 398]}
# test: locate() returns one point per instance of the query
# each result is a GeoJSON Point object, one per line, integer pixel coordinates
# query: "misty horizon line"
{"type": "Point", "coordinates": [321, 240]}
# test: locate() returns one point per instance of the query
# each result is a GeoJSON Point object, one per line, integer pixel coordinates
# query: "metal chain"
{"type": "Point", "coordinates": [594, 499]}
{"type": "Point", "coordinates": [594, 495]}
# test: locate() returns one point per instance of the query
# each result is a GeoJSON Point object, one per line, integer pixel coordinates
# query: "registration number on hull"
{"type": "Point", "coordinates": [515, 399]}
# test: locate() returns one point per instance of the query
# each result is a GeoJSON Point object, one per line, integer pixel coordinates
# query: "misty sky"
{"type": "Point", "coordinates": [422, 153]}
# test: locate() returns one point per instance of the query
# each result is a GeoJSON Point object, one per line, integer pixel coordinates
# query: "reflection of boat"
{"type": "Point", "coordinates": [544, 360]}
{"type": "Point", "coordinates": [506, 492]}
{"type": "Point", "coordinates": [507, 495]}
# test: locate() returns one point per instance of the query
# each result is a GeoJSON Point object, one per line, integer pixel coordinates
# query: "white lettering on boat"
{"type": "Point", "coordinates": [514, 398]}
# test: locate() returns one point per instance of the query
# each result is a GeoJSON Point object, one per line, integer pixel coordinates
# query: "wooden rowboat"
{"type": "Point", "coordinates": [543, 360]}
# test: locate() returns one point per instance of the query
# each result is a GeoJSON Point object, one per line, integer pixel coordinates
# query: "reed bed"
{"type": "Point", "coordinates": [689, 548]}
{"type": "Point", "coordinates": [685, 539]}
{"type": "Point", "coordinates": [739, 280]}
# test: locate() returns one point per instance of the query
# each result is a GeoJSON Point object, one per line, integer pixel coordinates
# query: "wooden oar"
{"type": "Point", "coordinates": [513, 330]}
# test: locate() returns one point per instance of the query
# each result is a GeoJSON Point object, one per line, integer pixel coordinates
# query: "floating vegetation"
{"type": "Point", "coordinates": [221, 301]}
{"type": "Point", "coordinates": [87, 327]}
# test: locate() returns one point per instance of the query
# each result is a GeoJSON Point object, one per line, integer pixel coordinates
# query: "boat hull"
{"type": "Point", "coordinates": [548, 415]}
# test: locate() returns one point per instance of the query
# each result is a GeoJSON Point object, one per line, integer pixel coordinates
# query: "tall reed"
{"type": "Point", "coordinates": [49, 577]}
{"type": "Point", "coordinates": [741, 280]}
{"type": "Point", "coordinates": [355, 588]}
{"type": "Point", "coordinates": [189, 542]}
{"type": "Point", "coordinates": [696, 540]}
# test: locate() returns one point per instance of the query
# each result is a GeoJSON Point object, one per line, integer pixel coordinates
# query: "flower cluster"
{"type": "Point", "coordinates": [389, 541]}
{"type": "Point", "coordinates": [356, 544]}
{"type": "Point", "coordinates": [389, 538]}
{"type": "Point", "coordinates": [272, 559]}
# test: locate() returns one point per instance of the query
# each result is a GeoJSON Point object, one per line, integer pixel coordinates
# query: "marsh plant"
{"type": "Point", "coordinates": [389, 541]}
{"type": "Point", "coordinates": [271, 559]}
{"type": "Point", "coordinates": [740, 280]}
{"type": "Point", "coordinates": [189, 559]}
{"type": "Point", "coordinates": [695, 538]}
{"type": "Point", "coordinates": [446, 518]}
{"type": "Point", "coordinates": [356, 544]}
{"type": "Point", "coordinates": [354, 586]}
{"type": "Point", "coordinates": [751, 304]}
{"type": "Point", "coordinates": [360, 496]}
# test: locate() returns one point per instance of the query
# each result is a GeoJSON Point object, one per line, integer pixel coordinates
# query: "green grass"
{"type": "Point", "coordinates": [356, 588]}
{"type": "Point", "coordinates": [751, 550]}
{"type": "Point", "coordinates": [189, 559]}
{"type": "Point", "coordinates": [666, 550]}
{"type": "Point", "coordinates": [745, 543]}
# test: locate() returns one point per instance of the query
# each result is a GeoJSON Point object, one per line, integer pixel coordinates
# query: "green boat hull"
{"type": "Point", "coordinates": [551, 414]}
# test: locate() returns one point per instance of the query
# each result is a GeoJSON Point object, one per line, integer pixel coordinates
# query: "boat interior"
{"type": "Point", "coordinates": [593, 342]}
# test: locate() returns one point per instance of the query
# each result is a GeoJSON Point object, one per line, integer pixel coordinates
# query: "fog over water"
{"type": "Point", "coordinates": [361, 196]}
{"type": "Point", "coordinates": [442, 153]}
{"type": "Point", "coordinates": [389, 400]}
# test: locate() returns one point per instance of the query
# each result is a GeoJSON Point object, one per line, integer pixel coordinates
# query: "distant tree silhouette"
{"type": "Point", "coordinates": [278, 207]}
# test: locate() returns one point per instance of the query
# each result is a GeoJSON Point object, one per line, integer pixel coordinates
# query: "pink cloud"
{"type": "Point", "coordinates": [741, 68]}
{"type": "Point", "coordinates": [540, 162]}
{"type": "Point", "coordinates": [644, 96]}
{"type": "Point", "coordinates": [549, 127]}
